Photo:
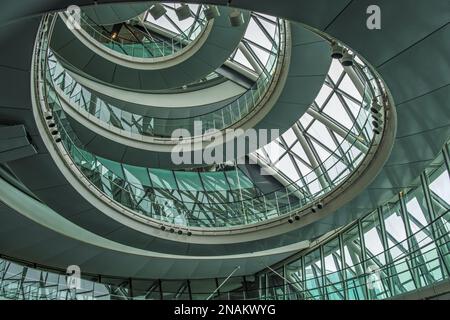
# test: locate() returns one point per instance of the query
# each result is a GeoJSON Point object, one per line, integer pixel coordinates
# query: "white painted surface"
{"type": "Point", "coordinates": [200, 97]}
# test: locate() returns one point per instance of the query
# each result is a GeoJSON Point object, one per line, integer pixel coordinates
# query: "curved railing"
{"type": "Point", "coordinates": [358, 284]}
{"type": "Point", "coordinates": [220, 119]}
{"type": "Point", "coordinates": [139, 192]}
{"type": "Point", "coordinates": [151, 47]}
{"type": "Point", "coordinates": [58, 289]}
{"type": "Point", "coordinates": [409, 263]}
{"type": "Point", "coordinates": [420, 259]}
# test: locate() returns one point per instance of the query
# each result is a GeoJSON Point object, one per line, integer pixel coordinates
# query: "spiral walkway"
{"type": "Point", "coordinates": [53, 216]}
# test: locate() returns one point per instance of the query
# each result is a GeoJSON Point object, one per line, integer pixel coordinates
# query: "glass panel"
{"type": "Point", "coordinates": [294, 275]}
{"type": "Point", "coordinates": [175, 290]}
{"type": "Point", "coordinates": [232, 289]}
{"type": "Point", "coordinates": [398, 245]}
{"type": "Point", "coordinates": [202, 289]}
{"type": "Point", "coordinates": [353, 265]}
{"type": "Point", "coordinates": [313, 275]}
{"type": "Point", "coordinates": [276, 285]}
{"type": "Point", "coordinates": [375, 260]}
{"type": "Point", "coordinates": [163, 179]}
{"type": "Point", "coordinates": [333, 266]}
{"type": "Point", "coordinates": [425, 256]}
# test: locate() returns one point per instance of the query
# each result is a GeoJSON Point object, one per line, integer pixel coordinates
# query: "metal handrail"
{"type": "Point", "coordinates": [219, 119]}
{"type": "Point", "coordinates": [261, 207]}
{"type": "Point", "coordinates": [161, 48]}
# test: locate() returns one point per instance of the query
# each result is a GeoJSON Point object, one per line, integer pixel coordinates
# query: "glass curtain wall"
{"type": "Point", "coordinates": [402, 246]}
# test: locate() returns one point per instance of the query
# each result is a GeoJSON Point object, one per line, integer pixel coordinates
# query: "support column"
{"type": "Point", "coordinates": [363, 258]}
{"type": "Point", "coordinates": [343, 266]}
{"type": "Point", "coordinates": [248, 55]}
{"type": "Point", "coordinates": [411, 244]}
{"type": "Point", "coordinates": [387, 254]}
{"type": "Point", "coordinates": [432, 216]}
{"type": "Point", "coordinates": [311, 157]}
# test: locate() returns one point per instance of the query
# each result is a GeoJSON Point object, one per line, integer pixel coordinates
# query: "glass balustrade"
{"type": "Point", "coordinates": [149, 46]}
{"type": "Point", "coordinates": [401, 247]}
{"type": "Point", "coordinates": [115, 117]}
{"type": "Point", "coordinates": [150, 192]}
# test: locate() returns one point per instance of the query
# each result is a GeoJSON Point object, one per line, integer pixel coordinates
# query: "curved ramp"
{"type": "Point", "coordinates": [308, 64]}
{"type": "Point", "coordinates": [56, 240]}
{"type": "Point", "coordinates": [420, 135]}
{"type": "Point", "coordinates": [412, 63]}
{"type": "Point", "coordinates": [204, 57]}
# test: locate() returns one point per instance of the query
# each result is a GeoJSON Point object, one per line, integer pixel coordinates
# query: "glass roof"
{"type": "Point", "coordinates": [386, 253]}
{"type": "Point", "coordinates": [149, 125]}
{"type": "Point", "coordinates": [259, 41]}
{"type": "Point", "coordinates": [170, 22]}
{"type": "Point", "coordinates": [313, 157]}
{"type": "Point", "coordinates": [145, 37]}
{"type": "Point", "coordinates": [259, 38]}
{"type": "Point", "coordinates": [328, 130]}
{"type": "Point", "coordinates": [323, 148]}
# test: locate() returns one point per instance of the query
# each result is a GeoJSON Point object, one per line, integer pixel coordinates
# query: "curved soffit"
{"type": "Point", "coordinates": [210, 53]}
{"type": "Point", "coordinates": [408, 47]}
